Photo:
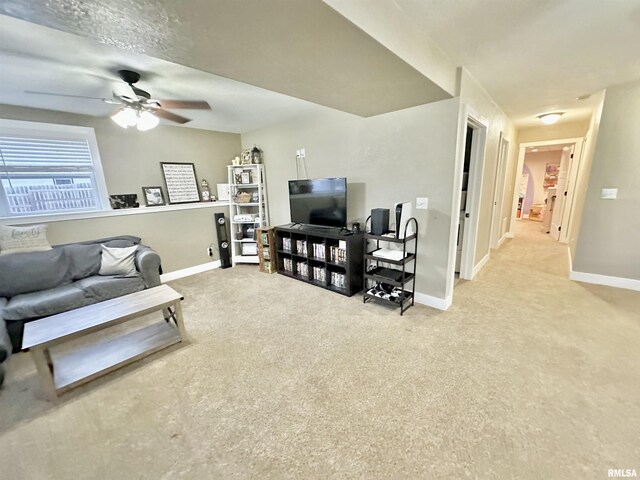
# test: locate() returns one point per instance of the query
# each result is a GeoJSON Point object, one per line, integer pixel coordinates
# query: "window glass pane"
{"type": "Point", "coordinates": [29, 196]}
{"type": "Point", "coordinates": [41, 173]}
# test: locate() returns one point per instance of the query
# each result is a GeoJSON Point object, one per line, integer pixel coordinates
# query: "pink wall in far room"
{"type": "Point", "coordinates": [535, 164]}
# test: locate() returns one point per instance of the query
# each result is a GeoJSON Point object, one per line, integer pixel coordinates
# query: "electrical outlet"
{"type": "Point", "coordinates": [422, 203]}
{"type": "Point", "coordinates": [210, 251]}
{"type": "Point", "coordinates": [302, 153]}
{"type": "Point", "coordinates": [297, 154]}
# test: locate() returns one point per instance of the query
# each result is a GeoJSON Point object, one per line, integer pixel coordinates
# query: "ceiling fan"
{"type": "Point", "coordinates": [137, 106]}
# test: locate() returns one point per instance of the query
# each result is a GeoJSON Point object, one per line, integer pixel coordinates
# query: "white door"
{"type": "Point", "coordinates": [570, 191]}
{"type": "Point", "coordinates": [565, 165]}
{"type": "Point", "coordinates": [497, 222]}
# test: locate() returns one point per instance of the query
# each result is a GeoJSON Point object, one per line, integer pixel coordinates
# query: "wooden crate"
{"type": "Point", "coordinates": [266, 249]}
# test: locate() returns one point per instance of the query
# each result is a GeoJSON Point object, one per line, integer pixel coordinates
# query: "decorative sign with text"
{"type": "Point", "coordinates": [180, 179]}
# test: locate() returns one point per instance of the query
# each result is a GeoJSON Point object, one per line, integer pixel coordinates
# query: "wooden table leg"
{"type": "Point", "coordinates": [179, 321]}
{"type": "Point", "coordinates": [42, 359]}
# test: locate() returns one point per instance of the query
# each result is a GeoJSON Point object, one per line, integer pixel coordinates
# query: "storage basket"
{"type": "Point", "coordinates": [243, 197]}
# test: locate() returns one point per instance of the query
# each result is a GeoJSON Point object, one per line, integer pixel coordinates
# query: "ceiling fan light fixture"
{"type": "Point", "coordinates": [125, 117]}
{"type": "Point", "coordinates": [147, 121]}
{"type": "Point", "coordinates": [550, 118]}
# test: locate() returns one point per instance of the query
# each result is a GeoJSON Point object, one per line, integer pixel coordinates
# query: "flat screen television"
{"type": "Point", "coordinates": [319, 201]}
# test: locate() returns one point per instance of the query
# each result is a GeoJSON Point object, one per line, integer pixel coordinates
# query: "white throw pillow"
{"type": "Point", "coordinates": [23, 239]}
{"type": "Point", "coordinates": [118, 261]}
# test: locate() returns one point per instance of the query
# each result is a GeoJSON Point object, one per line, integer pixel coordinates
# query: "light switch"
{"type": "Point", "coordinates": [422, 203]}
{"type": "Point", "coordinates": [609, 193]}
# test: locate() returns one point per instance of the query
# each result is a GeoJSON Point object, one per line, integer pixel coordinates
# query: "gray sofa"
{"type": "Point", "coordinates": [5, 343]}
{"type": "Point", "coordinates": [38, 284]}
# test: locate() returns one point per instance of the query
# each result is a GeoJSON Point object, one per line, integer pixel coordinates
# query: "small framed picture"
{"type": "Point", "coordinates": [246, 177]}
{"type": "Point", "coordinates": [246, 156]}
{"type": "Point", "coordinates": [153, 196]}
{"type": "Point", "coordinates": [127, 200]}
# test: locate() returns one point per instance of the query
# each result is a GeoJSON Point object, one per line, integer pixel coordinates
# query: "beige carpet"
{"type": "Point", "coordinates": [528, 375]}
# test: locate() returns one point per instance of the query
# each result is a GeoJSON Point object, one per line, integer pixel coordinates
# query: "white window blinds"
{"type": "Point", "coordinates": [46, 174]}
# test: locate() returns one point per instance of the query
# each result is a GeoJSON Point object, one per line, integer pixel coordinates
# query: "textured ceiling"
{"type": "Point", "coordinates": [300, 48]}
{"type": "Point", "coordinates": [43, 59]}
{"type": "Point", "coordinates": [532, 56]}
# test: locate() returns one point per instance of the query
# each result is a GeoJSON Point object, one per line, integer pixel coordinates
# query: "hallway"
{"type": "Point", "coordinates": [567, 354]}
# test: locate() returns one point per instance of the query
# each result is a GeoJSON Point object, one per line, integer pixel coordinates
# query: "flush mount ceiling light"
{"type": "Point", "coordinates": [550, 118]}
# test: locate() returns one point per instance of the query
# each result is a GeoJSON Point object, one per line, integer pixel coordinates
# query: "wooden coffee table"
{"type": "Point", "coordinates": [66, 371]}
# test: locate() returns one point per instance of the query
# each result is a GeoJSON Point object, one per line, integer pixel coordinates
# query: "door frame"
{"type": "Point", "coordinates": [498, 194]}
{"type": "Point", "coordinates": [570, 181]}
{"type": "Point", "coordinates": [568, 207]}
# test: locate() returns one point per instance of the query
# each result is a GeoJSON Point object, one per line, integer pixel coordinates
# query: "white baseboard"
{"type": "Point", "coordinates": [185, 272]}
{"type": "Point", "coordinates": [618, 282]}
{"type": "Point", "coordinates": [435, 302]}
{"type": "Point", "coordinates": [504, 237]}
{"type": "Point", "coordinates": [480, 265]}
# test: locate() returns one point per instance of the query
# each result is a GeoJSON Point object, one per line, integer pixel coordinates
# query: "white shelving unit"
{"type": "Point", "coordinates": [246, 179]}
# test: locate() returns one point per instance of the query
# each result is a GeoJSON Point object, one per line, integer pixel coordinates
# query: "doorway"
{"type": "Point", "coordinates": [470, 190]}
{"type": "Point", "coordinates": [463, 196]}
{"type": "Point", "coordinates": [545, 185]}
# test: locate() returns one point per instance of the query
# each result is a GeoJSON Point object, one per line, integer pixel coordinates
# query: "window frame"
{"type": "Point", "coordinates": [58, 132]}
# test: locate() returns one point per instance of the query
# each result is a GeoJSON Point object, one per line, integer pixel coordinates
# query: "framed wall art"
{"type": "Point", "coordinates": [153, 196]}
{"type": "Point", "coordinates": [180, 180]}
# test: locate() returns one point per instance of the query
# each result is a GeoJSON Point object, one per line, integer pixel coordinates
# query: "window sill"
{"type": "Point", "coordinates": [61, 217]}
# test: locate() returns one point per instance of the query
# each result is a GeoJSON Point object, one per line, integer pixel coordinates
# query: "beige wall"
{"type": "Point", "coordinates": [584, 173]}
{"type": "Point", "coordinates": [131, 160]}
{"type": "Point", "coordinates": [180, 237]}
{"type": "Point", "coordinates": [610, 229]}
{"type": "Point", "coordinates": [389, 25]}
{"type": "Point", "coordinates": [388, 158]}
{"type": "Point", "coordinates": [553, 132]}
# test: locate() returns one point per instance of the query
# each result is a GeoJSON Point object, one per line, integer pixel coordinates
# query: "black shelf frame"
{"type": "Point", "coordinates": [407, 276]}
{"type": "Point", "coordinates": [351, 268]}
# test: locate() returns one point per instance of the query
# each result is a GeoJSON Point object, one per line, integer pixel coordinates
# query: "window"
{"type": "Point", "coordinates": [49, 169]}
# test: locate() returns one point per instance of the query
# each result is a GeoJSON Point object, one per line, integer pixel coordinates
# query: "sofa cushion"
{"type": "Point", "coordinates": [84, 260]}
{"type": "Point", "coordinates": [23, 239]}
{"type": "Point", "coordinates": [30, 272]}
{"type": "Point", "coordinates": [100, 288]}
{"type": "Point", "coordinates": [118, 261]}
{"type": "Point", "coordinates": [120, 243]}
{"type": "Point", "coordinates": [45, 303]}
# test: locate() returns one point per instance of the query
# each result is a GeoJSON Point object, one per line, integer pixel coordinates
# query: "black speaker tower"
{"type": "Point", "coordinates": [223, 240]}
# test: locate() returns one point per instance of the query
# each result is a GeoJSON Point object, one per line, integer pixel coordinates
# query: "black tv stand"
{"type": "Point", "coordinates": [314, 255]}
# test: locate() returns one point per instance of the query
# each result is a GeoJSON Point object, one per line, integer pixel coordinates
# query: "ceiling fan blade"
{"type": "Point", "coordinates": [124, 91]}
{"type": "Point", "coordinates": [33, 92]}
{"type": "Point", "coordinates": [113, 101]}
{"type": "Point", "coordinates": [170, 116]}
{"type": "Point", "coordinates": [186, 104]}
